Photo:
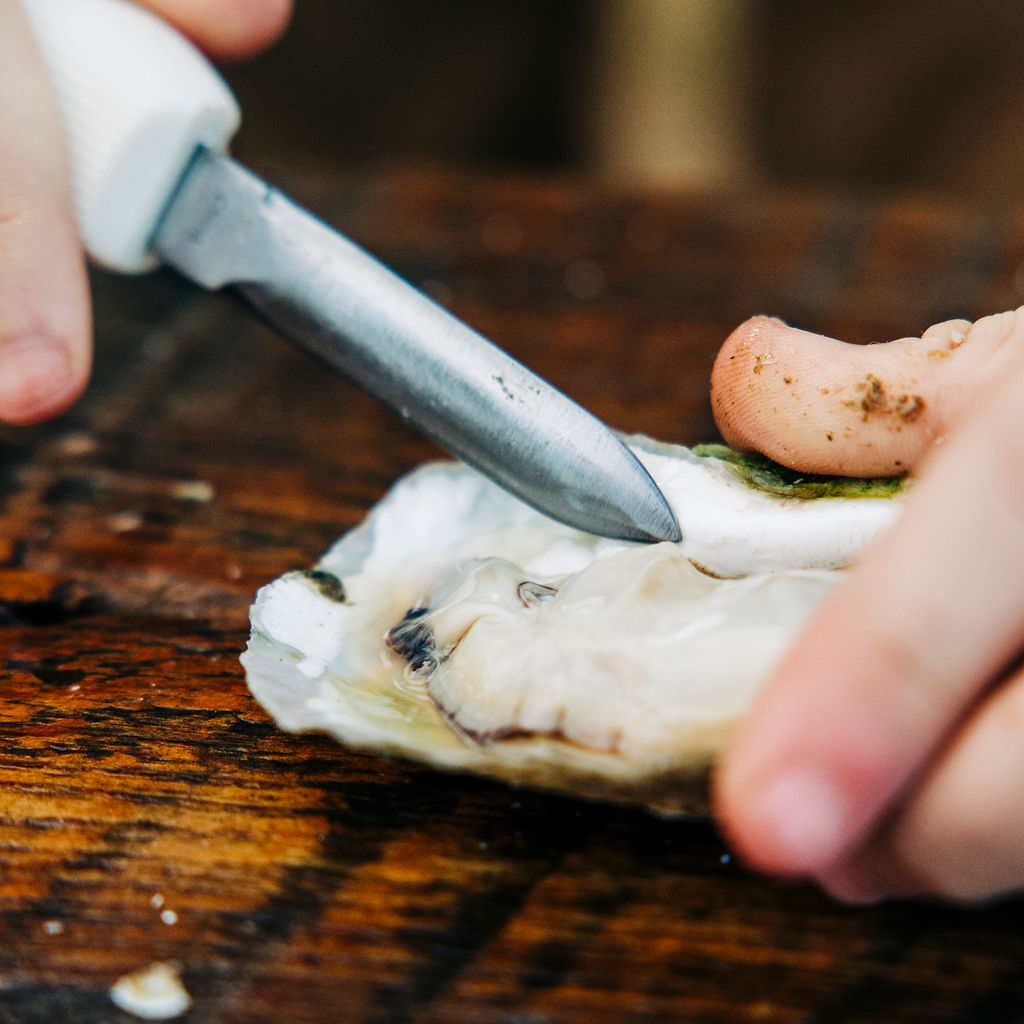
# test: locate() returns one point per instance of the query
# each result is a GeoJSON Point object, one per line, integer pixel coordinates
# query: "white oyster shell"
{"type": "Point", "coordinates": [551, 657]}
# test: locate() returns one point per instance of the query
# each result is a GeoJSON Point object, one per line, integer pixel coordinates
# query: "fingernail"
{"type": "Point", "coordinates": [803, 819]}
{"type": "Point", "coordinates": [35, 375]}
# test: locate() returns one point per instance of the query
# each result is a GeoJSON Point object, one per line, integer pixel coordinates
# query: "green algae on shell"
{"type": "Point", "coordinates": [764, 474]}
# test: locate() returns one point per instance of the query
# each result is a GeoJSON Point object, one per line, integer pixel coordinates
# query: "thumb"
{"type": "Point", "coordinates": [45, 337]}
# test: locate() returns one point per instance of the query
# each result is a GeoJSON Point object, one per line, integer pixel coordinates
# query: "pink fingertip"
{"type": "Point", "coordinates": [36, 377]}
{"type": "Point", "coordinates": [799, 824]}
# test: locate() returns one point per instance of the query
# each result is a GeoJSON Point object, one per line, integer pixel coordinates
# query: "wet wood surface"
{"type": "Point", "coordinates": [149, 809]}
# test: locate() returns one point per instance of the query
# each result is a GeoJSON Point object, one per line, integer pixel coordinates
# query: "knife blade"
{"type": "Point", "coordinates": [148, 121]}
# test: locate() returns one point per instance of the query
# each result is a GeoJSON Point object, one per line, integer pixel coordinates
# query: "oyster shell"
{"type": "Point", "coordinates": [459, 627]}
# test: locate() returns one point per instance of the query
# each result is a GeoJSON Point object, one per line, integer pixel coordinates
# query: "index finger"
{"type": "Point", "coordinates": [932, 614]}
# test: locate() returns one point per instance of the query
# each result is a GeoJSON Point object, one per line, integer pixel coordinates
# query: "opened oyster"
{"type": "Point", "coordinates": [459, 627]}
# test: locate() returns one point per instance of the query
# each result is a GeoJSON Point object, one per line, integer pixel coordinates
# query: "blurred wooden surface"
{"type": "Point", "coordinates": [150, 811]}
{"type": "Point", "coordinates": [855, 93]}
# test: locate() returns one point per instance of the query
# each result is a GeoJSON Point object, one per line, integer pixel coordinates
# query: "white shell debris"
{"type": "Point", "coordinates": [152, 993]}
{"type": "Point", "coordinates": [527, 650]}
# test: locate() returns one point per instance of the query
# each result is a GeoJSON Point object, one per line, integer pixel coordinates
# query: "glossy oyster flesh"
{"type": "Point", "coordinates": [459, 627]}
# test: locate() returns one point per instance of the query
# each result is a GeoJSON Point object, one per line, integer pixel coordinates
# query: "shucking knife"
{"type": "Point", "coordinates": [148, 122]}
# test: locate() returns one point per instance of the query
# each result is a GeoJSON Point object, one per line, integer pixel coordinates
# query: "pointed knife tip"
{"type": "Point", "coordinates": [654, 521]}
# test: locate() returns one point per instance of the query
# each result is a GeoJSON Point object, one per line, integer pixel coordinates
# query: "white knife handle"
{"type": "Point", "coordinates": [137, 99]}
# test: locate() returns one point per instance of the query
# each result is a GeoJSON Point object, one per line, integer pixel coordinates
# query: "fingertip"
{"type": "Point", "coordinates": [41, 375]}
{"type": "Point", "coordinates": [796, 787]}
{"type": "Point", "coordinates": [227, 29]}
{"type": "Point", "coordinates": [791, 824]}
{"type": "Point", "coordinates": [249, 27]}
{"type": "Point", "coordinates": [729, 810]}
{"type": "Point", "coordinates": [755, 389]}
{"type": "Point", "coordinates": [730, 374]}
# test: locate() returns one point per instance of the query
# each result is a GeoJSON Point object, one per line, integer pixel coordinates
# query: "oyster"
{"type": "Point", "coordinates": [459, 627]}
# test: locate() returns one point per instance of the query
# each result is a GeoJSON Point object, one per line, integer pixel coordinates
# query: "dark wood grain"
{"type": "Point", "coordinates": [311, 884]}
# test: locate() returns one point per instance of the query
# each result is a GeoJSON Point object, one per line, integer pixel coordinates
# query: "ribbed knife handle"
{"type": "Point", "coordinates": [137, 100]}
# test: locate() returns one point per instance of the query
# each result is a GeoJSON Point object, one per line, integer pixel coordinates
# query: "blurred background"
{"type": "Point", "coordinates": [849, 94]}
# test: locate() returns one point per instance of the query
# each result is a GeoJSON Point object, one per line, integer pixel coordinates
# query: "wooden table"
{"type": "Point", "coordinates": [150, 811]}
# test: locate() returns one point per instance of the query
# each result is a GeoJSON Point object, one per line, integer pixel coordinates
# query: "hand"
{"type": "Point", "coordinates": [886, 755]}
{"type": "Point", "coordinates": [45, 331]}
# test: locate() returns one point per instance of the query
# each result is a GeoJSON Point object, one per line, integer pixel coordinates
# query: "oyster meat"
{"type": "Point", "coordinates": [459, 627]}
